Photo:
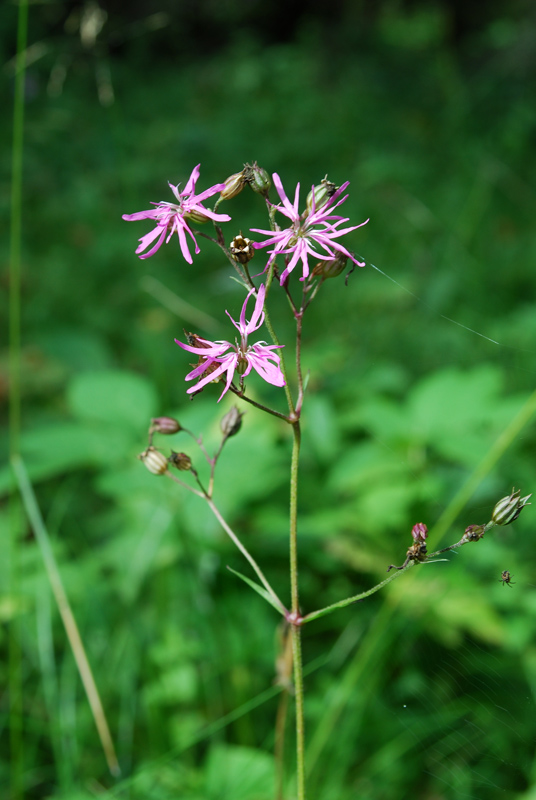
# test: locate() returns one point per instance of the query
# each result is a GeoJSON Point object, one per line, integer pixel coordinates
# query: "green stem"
{"type": "Point", "coordinates": [295, 615]}
{"type": "Point", "coordinates": [356, 598]}
{"type": "Point", "coordinates": [16, 742]}
{"type": "Point", "coordinates": [294, 466]}
{"type": "Point", "coordinates": [252, 402]}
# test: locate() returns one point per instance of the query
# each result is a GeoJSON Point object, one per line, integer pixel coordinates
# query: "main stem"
{"type": "Point", "coordinates": [296, 628]}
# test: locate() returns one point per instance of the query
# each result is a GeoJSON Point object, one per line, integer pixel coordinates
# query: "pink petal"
{"type": "Point", "coordinates": [258, 314]}
{"type": "Point", "coordinates": [145, 241]}
{"type": "Point", "coordinates": [192, 180]}
{"type": "Point", "coordinates": [215, 349]}
{"type": "Point", "coordinates": [150, 214]}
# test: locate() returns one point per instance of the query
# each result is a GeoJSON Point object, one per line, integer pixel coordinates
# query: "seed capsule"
{"type": "Point", "coordinates": [165, 425]}
{"type": "Point", "coordinates": [181, 461]}
{"type": "Point", "coordinates": [258, 178]}
{"type": "Point", "coordinates": [231, 422]}
{"type": "Point", "coordinates": [242, 249]}
{"type": "Point", "coordinates": [233, 185]}
{"type": "Point", "coordinates": [154, 460]}
{"type": "Point", "coordinates": [509, 508]}
{"type": "Point", "coordinates": [321, 194]}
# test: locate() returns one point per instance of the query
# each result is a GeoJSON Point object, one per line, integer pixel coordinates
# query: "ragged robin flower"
{"type": "Point", "coordinates": [173, 218]}
{"type": "Point", "coordinates": [316, 227]}
{"type": "Point", "coordinates": [216, 360]}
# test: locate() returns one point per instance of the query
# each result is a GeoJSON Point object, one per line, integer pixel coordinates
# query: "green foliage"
{"type": "Point", "coordinates": [424, 690]}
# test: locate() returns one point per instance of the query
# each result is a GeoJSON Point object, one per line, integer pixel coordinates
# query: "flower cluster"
{"type": "Point", "coordinates": [315, 232]}
{"type": "Point", "coordinates": [215, 360]}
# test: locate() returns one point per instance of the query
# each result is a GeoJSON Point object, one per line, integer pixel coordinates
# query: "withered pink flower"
{"type": "Point", "coordinates": [173, 217]}
{"type": "Point", "coordinates": [215, 360]}
{"type": "Point", "coordinates": [308, 231]}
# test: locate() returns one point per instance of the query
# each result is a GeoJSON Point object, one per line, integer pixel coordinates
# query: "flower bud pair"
{"type": "Point", "coordinates": [158, 464]}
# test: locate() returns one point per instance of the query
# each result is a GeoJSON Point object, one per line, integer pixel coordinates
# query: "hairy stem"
{"type": "Point", "coordinates": [252, 402]}
{"type": "Point", "coordinates": [356, 598]}
{"type": "Point", "coordinates": [296, 629]}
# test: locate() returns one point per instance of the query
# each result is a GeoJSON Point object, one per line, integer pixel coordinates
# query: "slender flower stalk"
{"type": "Point", "coordinates": [173, 218]}
{"type": "Point", "coordinates": [295, 618]}
{"type": "Point", "coordinates": [317, 227]}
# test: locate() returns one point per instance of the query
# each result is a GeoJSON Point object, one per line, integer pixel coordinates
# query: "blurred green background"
{"type": "Point", "coordinates": [427, 689]}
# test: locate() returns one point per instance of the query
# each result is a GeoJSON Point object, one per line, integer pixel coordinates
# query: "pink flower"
{"type": "Point", "coordinates": [243, 357]}
{"type": "Point", "coordinates": [173, 217]}
{"type": "Point", "coordinates": [308, 231]}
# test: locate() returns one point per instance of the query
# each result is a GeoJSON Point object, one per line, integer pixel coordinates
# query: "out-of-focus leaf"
{"type": "Point", "coordinates": [239, 773]}
{"type": "Point", "coordinates": [123, 399]}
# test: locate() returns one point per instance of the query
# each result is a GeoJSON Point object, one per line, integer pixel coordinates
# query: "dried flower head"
{"type": "Point", "coordinates": [241, 249]}
{"type": "Point", "coordinates": [181, 461]}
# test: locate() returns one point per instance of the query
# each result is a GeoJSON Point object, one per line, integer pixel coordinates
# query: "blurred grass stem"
{"type": "Point", "coordinates": [71, 628]}
{"type": "Point", "coordinates": [14, 669]}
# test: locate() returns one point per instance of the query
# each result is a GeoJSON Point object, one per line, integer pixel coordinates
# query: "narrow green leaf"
{"type": "Point", "coordinates": [259, 589]}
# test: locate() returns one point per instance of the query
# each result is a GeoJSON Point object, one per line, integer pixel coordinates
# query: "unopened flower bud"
{"type": "Point", "coordinates": [164, 425]}
{"type": "Point", "coordinates": [154, 460]}
{"type": "Point", "coordinates": [321, 194]}
{"type": "Point", "coordinates": [181, 461]}
{"type": "Point", "coordinates": [242, 249]}
{"type": "Point", "coordinates": [197, 216]}
{"type": "Point", "coordinates": [419, 532]}
{"type": "Point", "coordinates": [509, 508]}
{"type": "Point", "coordinates": [474, 532]}
{"type": "Point", "coordinates": [233, 185]}
{"type": "Point", "coordinates": [231, 422]}
{"type": "Point", "coordinates": [258, 178]}
{"type": "Point", "coordinates": [331, 268]}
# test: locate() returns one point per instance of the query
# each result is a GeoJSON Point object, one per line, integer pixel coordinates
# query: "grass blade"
{"type": "Point", "coordinates": [71, 628]}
